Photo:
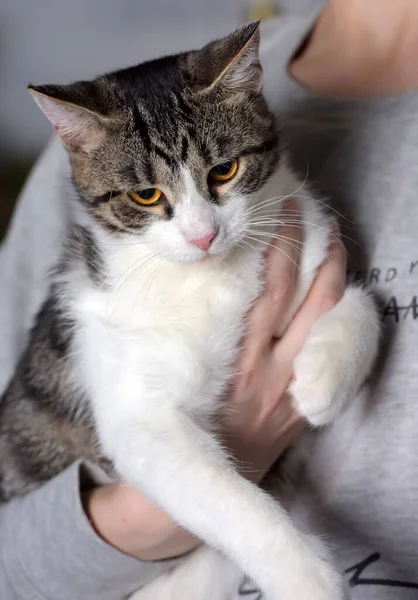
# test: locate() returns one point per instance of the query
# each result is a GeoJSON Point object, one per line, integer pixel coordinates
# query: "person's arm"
{"type": "Point", "coordinates": [360, 48]}
{"type": "Point", "coordinates": [50, 550]}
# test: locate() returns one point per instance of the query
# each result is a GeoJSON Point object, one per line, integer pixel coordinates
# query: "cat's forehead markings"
{"type": "Point", "coordinates": [141, 126]}
{"type": "Point", "coordinates": [184, 149]}
{"type": "Point", "coordinates": [164, 155]}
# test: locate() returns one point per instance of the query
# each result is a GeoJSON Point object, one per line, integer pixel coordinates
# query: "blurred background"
{"type": "Point", "coordinates": [59, 41]}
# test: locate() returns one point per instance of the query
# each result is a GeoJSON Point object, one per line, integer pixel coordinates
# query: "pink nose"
{"type": "Point", "coordinates": [204, 242]}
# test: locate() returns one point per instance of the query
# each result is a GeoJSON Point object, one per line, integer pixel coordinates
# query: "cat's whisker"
{"type": "Point", "coordinates": [275, 218]}
{"type": "Point", "coordinates": [276, 224]}
{"type": "Point", "coordinates": [126, 276]}
{"type": "Point", "coordinates": [269, 202]}
{"type": "Point", "coordinates": [272, 246]}
{"type": "Point", "coordinates": [250, 246]}
{"type": "Point", "coordinates": [285, 197]}
{"type": "Point", "coordinates": [335, 237]}
{"type": "Point", "coordinates": [265, 203]}
{"type": "Point", "coordinates": [291, 241]}
{"type": "Point", "coordinates": [131, 266]}
{"type": "Point", "coordinates": [294, 244]}
{"type": "Point", "coordinates": [276, 199]}
{"type": "Point", "coordinates": [298, 223]}
{"type": "Point", "coordinates": [122, 245]}
{"type": "Point", "coordinates": [152, 277]}
{"type": "Point", "coordinates": [220, 260]}
{"type": "Point", "coordinates": [140, 268]}
{"type": "Point", "coordinates": [283, 212]}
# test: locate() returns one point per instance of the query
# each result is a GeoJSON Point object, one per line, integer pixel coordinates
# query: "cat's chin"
{"type": "Point", "coordinates": [195, 257]}
{"type": "Point", "coordinates": [217, 253]}
{"type": "Point", "coordinates": [205, 259]}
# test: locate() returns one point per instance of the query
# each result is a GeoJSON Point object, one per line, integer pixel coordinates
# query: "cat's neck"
{"type": "Point", "coordinates": [140, 263]}
{"type": "Point", "coordinates": [141, 290]}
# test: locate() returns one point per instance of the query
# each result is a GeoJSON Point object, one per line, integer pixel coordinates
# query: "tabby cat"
{"type": "Point", "coordinates": [179, 175]}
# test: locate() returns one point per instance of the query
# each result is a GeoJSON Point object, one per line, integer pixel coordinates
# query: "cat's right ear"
{"type": "Point", "coordinates": [231, 63]}
{"type": "Point", "coordinates": [78, 126]}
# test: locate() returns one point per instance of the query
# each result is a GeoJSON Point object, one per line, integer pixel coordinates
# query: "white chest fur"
{"type": "Point", "coordinates": [190, 301]}
{"type": "Point", "coordinates": [171, 334]}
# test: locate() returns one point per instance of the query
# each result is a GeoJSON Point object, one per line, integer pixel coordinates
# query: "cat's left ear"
{"type": "Point", "coordinates": [73, 115]}
{"type": "Point", "coordinates": [232, 62]}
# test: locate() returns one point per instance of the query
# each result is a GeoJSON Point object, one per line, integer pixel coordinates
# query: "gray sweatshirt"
{"type": "Point", "coordinates": [359, 486]}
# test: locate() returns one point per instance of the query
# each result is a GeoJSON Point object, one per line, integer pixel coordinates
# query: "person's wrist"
{"type": "Point", "coordinates": [128, 521]}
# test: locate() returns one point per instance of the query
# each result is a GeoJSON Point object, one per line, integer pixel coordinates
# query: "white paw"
{"type": "Point", "coordinates": [308, 574]}
{"type": "Point", "coordinates": [318, 389]}
{"type": "Point", "coordinates": [312, 587]}
{"type": "Point", "coordinates": [310, 590]}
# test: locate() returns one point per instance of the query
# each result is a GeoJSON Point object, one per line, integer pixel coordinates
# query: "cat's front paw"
{"type": "Point", "coordinates": [312, 587]}
{"type": "Point", "coordinates": [309, 591]}
{"type": "Point", "coordinates": [319, 389]}
{"type": "Point", "coordinates": [307, 574]}
{"type": "Point", "coordinates": [337, 357]}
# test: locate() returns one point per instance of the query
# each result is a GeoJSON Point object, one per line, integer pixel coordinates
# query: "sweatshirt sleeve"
{"type": "Point", "coordinates": [49, 550]}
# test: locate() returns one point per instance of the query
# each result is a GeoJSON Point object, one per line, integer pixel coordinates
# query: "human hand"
{"type": "Point", "coordinates": [260, 423]}
{"type": "Point", "coordinates": [361, 48]}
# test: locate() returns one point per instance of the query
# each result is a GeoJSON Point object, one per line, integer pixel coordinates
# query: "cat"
{"type": "Point", "coordinates": [179, 176]}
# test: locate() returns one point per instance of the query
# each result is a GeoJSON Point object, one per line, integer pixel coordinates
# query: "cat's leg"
{"type": "Point", "coordinates": [204, 575]}
{"type": "Point", "coordinates": [184, 470]}
{"type": "Point", "coordinates": [336, 358]}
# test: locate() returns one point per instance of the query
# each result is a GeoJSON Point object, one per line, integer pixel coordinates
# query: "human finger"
{"type": "Point", "coordinates": [326, 291]}
{"type": "Point", "coordinates": [281, 271]}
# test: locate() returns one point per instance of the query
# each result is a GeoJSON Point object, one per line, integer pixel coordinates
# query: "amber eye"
{"type": "Point", "coordinates": [224, 172]}
{"type": "Point", "coordinates": [146, 197]}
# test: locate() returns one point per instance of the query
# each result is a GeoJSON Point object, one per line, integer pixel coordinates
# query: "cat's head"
{"type": "Point", "coordinates": [172, 151]}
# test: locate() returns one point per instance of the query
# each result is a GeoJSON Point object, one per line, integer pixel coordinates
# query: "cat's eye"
{"type": "Point", "coordinates": [146, 197]}
{"type": "Point", "coordinates": [224, 171]}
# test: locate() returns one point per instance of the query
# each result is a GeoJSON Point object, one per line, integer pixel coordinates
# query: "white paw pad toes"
{"type": "Point", "coordinates": [315, 387]}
